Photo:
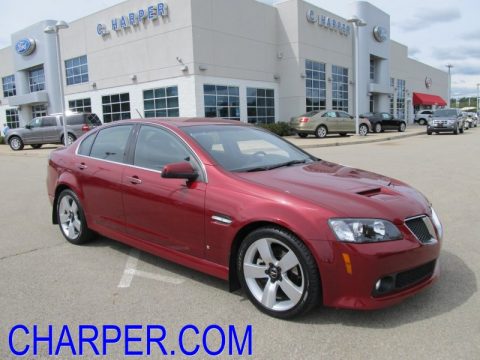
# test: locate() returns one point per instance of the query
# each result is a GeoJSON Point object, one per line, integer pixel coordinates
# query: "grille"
{"type": "Point", "coordinates": [422, 228]}
{"type": "Point", "coordinates": [413, 276]}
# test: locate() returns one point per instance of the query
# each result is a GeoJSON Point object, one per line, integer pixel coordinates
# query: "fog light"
{"type": "Point", "coordinates": [384, 285]}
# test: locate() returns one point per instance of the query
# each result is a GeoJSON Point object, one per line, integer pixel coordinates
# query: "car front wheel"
{"type": "Point", "coordinates": [321, 132]}
{"type": "Point", "coordinates": [363, 130]}
{"type": "Point", "coordinates": [402, 127]}
{"type": "Point", "coordinates": [15, 143]}
{"type": "Point", "coordinates": [71, 218]}
{"type": "Point", "coordinates": [278, 272]}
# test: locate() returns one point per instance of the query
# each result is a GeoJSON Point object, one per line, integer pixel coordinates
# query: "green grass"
{"type": "Point", "coordinates": [280, 128]}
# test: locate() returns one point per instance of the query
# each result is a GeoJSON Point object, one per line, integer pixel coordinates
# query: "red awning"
{"type": "Point", "coordinates": [427, 99]}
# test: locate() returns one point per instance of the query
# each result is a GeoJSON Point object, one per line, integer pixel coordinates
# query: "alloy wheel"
{"type": "Point", "coordinates": [69, 217]}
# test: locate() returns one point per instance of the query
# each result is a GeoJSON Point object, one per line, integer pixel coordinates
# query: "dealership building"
{"type": "Point", "coordinates": [243, 60]}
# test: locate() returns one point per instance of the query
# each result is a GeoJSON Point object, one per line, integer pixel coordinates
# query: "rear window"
{"type": "Point", "coordinates": [93, 119]}
{"type": "Point", "coordinates": [74, 119]}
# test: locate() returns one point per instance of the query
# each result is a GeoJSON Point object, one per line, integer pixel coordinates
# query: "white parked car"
{"type": "Point", "coordinates": [421, 116]}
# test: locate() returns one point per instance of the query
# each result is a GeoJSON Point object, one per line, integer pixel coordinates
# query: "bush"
{"type": "Point", "coordinates": [280, 128]}
{"type": "Point", "coordinates": [2, 141]}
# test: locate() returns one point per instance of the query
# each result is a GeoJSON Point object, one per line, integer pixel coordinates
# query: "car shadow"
{"type": "Point", "coordinates": [457, 283]}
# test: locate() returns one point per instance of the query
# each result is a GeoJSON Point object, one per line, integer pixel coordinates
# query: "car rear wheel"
{"type": "Point", "coordinates": [36, 146]}
{"type": "Point", "coordinates": [15, 143]}
{"type": "Point", "coordinates": [429, 133]}
{"type": "Point", "coordinates": [363, 130]}
{"type": "Point", "coordinates": [321, 131]}
{"type": "Point", "coordinates": [70, 139]}
{"type": "Point", "coordinates": [422, 122]}
{"type": "Point", "coordinates": [71, 218]}
{"type": "Point", "coordinates": [278, 272]}
{"type": "Point", "coordinates": [402, 127]}
{"type": "Point", "coordinates": [377, 128]}
{"type": "Point", "coordinates": [302, 135]}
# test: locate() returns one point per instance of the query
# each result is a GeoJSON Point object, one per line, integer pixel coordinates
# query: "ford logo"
{"type": "Point", "coordinates": [25, 46]}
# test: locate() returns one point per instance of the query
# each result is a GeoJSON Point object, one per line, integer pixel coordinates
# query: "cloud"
{"type": "Point", "coordinates": [466, 69]}
{"type": "Point", "coordinates": [471, 35]}
{"type": "Point", "coordinates": [458, 53]}
{"type": "Point", "coordinates": [427, 17]}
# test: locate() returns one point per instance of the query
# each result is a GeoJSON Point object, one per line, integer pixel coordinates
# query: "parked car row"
{"type": "Point", "coordinates": [323, 122]}
{"type": "Point", "coordinates": [49, 130]}
{"type": "Point", "coordinates": [451, 120]}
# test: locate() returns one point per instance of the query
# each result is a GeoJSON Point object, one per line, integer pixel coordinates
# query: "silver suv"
{"type": "Point", "coordinates": [49, 130]}
{"type": "Point", "coordinates": [446, 120]}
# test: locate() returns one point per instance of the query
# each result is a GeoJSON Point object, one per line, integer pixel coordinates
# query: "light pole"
{"type": "Point", "coordinates": [53, 29]}
{"type": "Point", "coordinates": [478, 95]}
{"type": "Point", "coordinates": [449, 66]}
{"type": "Point", "coordinates": [356, 22]}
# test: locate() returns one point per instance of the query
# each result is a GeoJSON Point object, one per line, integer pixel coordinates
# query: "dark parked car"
{"type": "Point", "coordinates": [382, 121]}
{"type": "Point", "coordinates": [49, 130]}
{"type": "Point", "coordinates": [244, 205]}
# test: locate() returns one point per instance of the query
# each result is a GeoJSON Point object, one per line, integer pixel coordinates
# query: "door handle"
{"type": "Point", "coordinates": [82, 166]}
{"type": "Point", "coordinates": [134, 180]}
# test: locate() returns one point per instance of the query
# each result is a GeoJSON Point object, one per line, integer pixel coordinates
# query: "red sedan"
{"type": "Point", "coordinates": [242, 204]}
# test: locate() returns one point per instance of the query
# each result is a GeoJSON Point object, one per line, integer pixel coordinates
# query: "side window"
{"type": "Point", "coordinates": [343, 114]}
{"type": "Point", "coordinates": [111, 143]}
{"type": "Point", "coordinates": [385, 116]}
{"type": "Point", "coordinates": [330, 114]}
{"type": "Point", "coordinates": [49, 121]}
{"type": "Point", "coordinates": [75, 120]}
{"type": "Point", "coordinates": [86, 145]}
{"type": "Point", "coordinates": [156, 147]}
{"type": "Point", "coordinates": [35, 123]}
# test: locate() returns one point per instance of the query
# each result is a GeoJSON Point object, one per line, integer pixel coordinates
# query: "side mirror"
{"type": "Point", "coordinates": [28, 126]}
{"type": "Point", "coordinates": [180, 170]}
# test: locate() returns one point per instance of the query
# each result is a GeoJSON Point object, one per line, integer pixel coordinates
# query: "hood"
{"type": "Point", "coordinates": [345, 191]}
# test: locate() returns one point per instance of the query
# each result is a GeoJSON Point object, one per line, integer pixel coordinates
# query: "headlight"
{"type": "Point", "coordinates": [437, 223]}
{"type": "Point", "coordinates": [364, 230]}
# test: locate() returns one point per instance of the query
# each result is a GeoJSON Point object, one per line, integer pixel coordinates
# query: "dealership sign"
{"type": "Point", "coordinates": [25, 46]}
{"type": "Point", "coordinates": [134, 18]}
{"type": "Point", "coordinates": [328, 23]}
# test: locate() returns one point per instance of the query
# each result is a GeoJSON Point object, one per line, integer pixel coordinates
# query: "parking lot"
{"type": "Point", "coordinates": [44, 280]}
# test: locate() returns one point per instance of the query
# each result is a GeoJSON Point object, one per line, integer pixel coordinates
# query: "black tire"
{"type": "Point", "coordinates": [302, 135]}
{"type": "Point", "coordinates": [461, 130]}
{"type": "Point", "coordinates": [402, 127]}
{"type": "Point", "coordinates": [36, 146]}
{"type": "Point", "coordinates": [71, 218]}
{"type": "Point", "coordinates": [71, 138]}
{"type": "Point", "coordinates": [363, 130]}
{"type": "Point", "coordinates": [321, 131]}
{"type": "Point", "coordinates": [429, 132]}
{"type": "Point", "coordinates": [15, 143]}
{"type": "Point", "coordinates": [377, 127]}
{"type": "Point", "coordinates": [302, 276]}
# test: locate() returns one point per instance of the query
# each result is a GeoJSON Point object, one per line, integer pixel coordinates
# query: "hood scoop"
{"type": "Point", "coordinates": [379, 193]}
{"type": "Point", "coordinates": [370, 192]}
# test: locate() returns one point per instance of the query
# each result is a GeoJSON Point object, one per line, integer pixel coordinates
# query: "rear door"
{"type": "Point", "coordinates": [50, 129]}
{"type": "Point", "coordinates": [99, 167]}
{"type": "Point", "coordinates": [166, 212]}
{"type": "Point", "coordinates": [346, 123]}
{"type": "Point", "coordinates": [388, 121]}
{"type": "Point", "coordinates": [332, 122]}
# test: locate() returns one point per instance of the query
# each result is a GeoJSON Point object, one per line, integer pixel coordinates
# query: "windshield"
{"type": "Point", "coordinates": [445, 113]}
{"type": "Point", "coordinates": [241, 148]}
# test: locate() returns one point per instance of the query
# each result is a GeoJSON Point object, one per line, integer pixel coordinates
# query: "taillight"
{"type": "Point", "coordinates": [304, 119]}
{"type": "Point", "coordinates": [85, 128]}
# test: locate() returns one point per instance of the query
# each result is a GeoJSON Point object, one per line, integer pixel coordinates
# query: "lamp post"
{"type": "Point", "coordinates": [478, 95]}
{"type": "Point", "coordinates": [449, 66]}
{"type": "Point", "coordinates": [54, 29]}
{"type": "Point", "coordinates": [356, 23]}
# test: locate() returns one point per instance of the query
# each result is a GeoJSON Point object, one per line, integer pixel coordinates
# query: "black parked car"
{"type": "Point", "coordinates": [384, 121]}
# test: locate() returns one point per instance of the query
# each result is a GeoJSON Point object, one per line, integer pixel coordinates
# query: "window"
{"type": "Point", "coordinates": [116, 107]}
{"type": "Point", "coordinates": [339, 88]}
{"type": "Point", "coordinates": [316, 86]}
{"type": "Point", "coordinates": [392, 85]}
{"type": "Point", "coordinates": [86, 145]}
{"type": "Point", "coordinates": [39, 110]}
{"type": "Point", "coordinates": [36, 79]}
{"type": "Point", "coordinates": [80, 105]}
{"type": "Point", "coordinates": [371, 103]}
{"type": "Point", "coordinates": [12, 118]}
{"type": "Point", "coordinates": [111, 143]}
{"type": "Point", "coordinates": [156, 147]}
{"type": "Point", "coordinates": [76, 70]}
{"type": "Point", "coordinates": [260, 106]}
{"type": "Point", "coordinates": [161, 102]}
{"type": "Point", "coordinates": [222, 101]}
{"type": "Point", "coordinates": [9, 86]}
{"type": "Point", "coordinates": [49, 121]}
{"type": "Point", "coordinates": [400, 98]}
{"type": "Point", "coordinates": [372, 68]}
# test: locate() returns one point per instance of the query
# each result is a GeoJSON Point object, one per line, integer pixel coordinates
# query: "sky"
{"type": "Point", "coordinates": [436, 32]}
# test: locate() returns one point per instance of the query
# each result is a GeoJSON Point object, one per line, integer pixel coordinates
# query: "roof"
{"type": "Point", "coordinates": [427, 99]}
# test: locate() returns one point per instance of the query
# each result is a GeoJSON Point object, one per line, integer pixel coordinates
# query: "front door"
{"type": "Point", "coordinates": [167, 212]}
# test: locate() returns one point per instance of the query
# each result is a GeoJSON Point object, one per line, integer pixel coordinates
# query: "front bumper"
{"type": "Point", "coordinates": [412, 266]}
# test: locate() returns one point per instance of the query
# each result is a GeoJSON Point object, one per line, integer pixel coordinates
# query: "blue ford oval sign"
{"type": "Point", "coordinates": [25, 46]}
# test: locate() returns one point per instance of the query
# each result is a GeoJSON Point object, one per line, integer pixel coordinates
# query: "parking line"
{"type": "Point", "coordinates": [131, 271]}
